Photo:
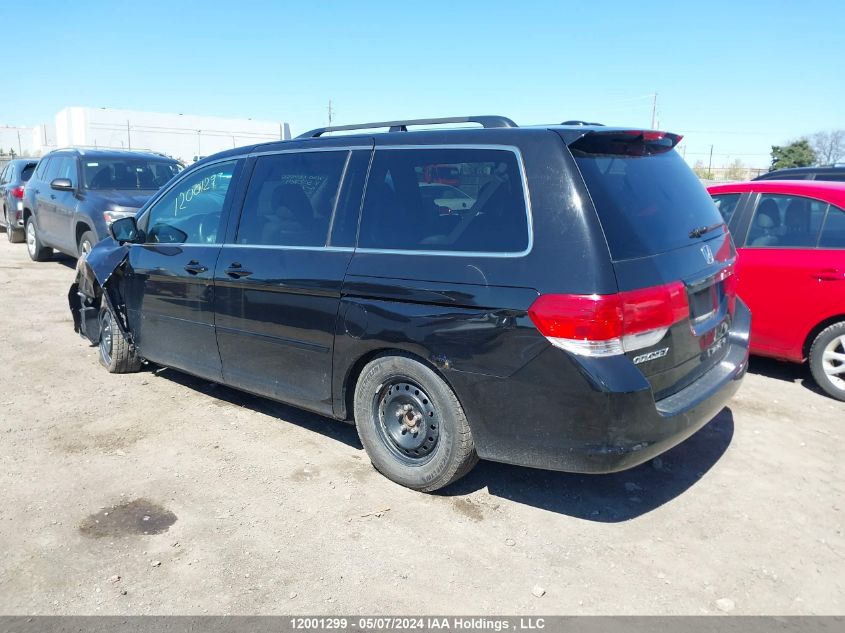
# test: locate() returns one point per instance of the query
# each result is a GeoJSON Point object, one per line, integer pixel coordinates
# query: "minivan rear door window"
{"type": "Point", "coordinates": [647, 198]}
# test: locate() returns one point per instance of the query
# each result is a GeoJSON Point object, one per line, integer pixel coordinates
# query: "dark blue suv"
{"type": "Point", "coordinates": [557, 296]}
{"type": "Point", "coordinates": [75, 194]}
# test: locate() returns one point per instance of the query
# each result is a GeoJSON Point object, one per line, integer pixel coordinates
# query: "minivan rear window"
{"type": "Point", "coordinates": [647, 204]}
{"type": "Point", "coordinates": [445, 199]}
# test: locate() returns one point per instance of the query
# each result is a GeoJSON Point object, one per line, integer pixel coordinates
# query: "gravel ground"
{"type": "Point", "coordinates": [161, 493]}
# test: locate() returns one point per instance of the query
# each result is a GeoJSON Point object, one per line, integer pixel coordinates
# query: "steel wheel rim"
{"type": "Point", "coordinates": [85, 248]}
{"type": "Point", "coordinates": [407, 420]}
{"type": "Point", "coordinates": [833, 361]}
{"type": "Point", "coordinates": [105, 337]}
{"type": "Point", "coordinates": [30, 238]}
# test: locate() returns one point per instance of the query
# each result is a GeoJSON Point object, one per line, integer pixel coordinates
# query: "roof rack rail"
{"type": "Point", "coordinates": [577, 122]}
{"type": "Point", "coordinates": [487, 121]}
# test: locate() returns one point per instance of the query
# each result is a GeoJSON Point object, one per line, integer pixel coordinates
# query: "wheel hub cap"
{"type": "Point", "coordinates": [105, 338]}
{"type": "Point", "coordinates": [833, 361]}
{"type": "Point", "coordinates": [407, 419]}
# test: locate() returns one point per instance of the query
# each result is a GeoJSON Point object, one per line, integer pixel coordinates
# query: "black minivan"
{"type": "Point", "coordinates": [563, 298]}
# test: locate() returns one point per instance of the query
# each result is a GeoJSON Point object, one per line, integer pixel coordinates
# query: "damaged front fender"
{"type": "Point", "coordinates": [97, 283]}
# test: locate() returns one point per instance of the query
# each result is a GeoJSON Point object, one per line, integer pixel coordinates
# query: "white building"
{"type": "Point", "coordinates": [182, 136]}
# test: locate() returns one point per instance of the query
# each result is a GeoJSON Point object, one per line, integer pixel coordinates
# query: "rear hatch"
{"type": "Point", "coordinates": [663, 232]}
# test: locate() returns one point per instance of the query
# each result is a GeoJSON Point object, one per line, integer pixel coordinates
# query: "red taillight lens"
{"type": "Point", "coordinates": [578, 317]}
{"type": "Point", "coordinates": [655, 307]}
{"type": "Point", "coordinates": [603, 325]}
{"type": "Point", "coordinates": [17, 192]}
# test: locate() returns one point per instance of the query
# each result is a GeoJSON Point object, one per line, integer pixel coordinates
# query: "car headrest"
{"type": "Point", "coordinates": [768, 215]}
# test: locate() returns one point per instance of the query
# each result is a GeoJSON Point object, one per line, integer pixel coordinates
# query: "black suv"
{"type": "Point", "coordinates": [835, 173]}
{"type": "Point", "coordinates": [75, 194]}
{"type": "Point", "coordinates": [578, 314]}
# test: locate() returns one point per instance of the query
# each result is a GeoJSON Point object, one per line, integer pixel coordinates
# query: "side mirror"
{"type": "Point", "coordinates": [124, 230]}
{"type": "Point", "coordinates": [62, 184]}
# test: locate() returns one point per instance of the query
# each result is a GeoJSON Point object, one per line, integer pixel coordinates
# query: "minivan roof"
{"type": "Point", "coordinates": [569, 131]}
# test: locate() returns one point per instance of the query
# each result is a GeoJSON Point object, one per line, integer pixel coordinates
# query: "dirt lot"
{"type": "Point", "coordinates": [255, 507]}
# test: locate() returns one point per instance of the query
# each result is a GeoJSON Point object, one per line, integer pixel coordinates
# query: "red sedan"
{"type": "Point", "coordinates": [790, 238]}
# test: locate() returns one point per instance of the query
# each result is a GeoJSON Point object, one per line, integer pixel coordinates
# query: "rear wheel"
{"type": "Point", "coordinates": [15, 236]}
{"type": "Point", "coordinates": [411, 424]}
{"type": "Point", "coordinates": [827, 360]}
{"type": "Point", "coordinates": [116, 354]}
{"type": "Point", "coordinates": [86, 243]}
{"type": "Point", "coordinates": [37, 251]}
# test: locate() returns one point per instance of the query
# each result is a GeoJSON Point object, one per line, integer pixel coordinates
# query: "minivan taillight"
{"type": "Point", "coordinates": [17, 192]}
{"type": "Point", "coordinates": [605, 325]}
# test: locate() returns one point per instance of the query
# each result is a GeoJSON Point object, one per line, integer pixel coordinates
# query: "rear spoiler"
{"type": "Point", "coordinates": [618, 141]}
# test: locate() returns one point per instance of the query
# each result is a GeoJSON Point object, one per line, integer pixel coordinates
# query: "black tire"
{"type": "Point", "coordinates": [397, 397]}
{"type": "Point", "coordinates": [37, 251]}
{"type": "Point", "coordinates": [114, 350]}
{"type": "Point", "coordinates": [86, 243]}
{"type": "Point", "coordinates": [15, 236]}
{"type": "Point", "coordinates": [827, 360]}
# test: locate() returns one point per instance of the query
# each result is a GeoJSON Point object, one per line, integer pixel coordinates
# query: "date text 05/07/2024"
{"type": "Point", "coordinates": [428, 623]}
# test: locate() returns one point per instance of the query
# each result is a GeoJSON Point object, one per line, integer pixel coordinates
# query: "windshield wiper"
{"type": "Point", "coordinates": [701, 230]}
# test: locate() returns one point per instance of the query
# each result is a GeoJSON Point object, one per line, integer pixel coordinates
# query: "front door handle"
{"type": "Point", "coordinates": [829, 274]}
{"type": "Point", "coordinates": [195, 268]}
{"type": "Point", "coordinates": [237, 271]}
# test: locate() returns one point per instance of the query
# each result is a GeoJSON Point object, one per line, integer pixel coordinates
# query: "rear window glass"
{"type": "Point", "coordinates": [785, 222]}
{"type": "Point", "coordinates": [450, 199]}
{"type": "Point", "coordinates": [833, 233]}
{"type": "Point", "coordinates": [26, 174]}
{"type": "Point", "coordinates": [127, 174]}
{"type": "Point", "coordinates": [647, 204]}
{"type": "Point", "coordinates": [831, 177]}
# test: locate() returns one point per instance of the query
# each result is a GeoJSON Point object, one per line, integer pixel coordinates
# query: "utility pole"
{"type": "Point", "coordinates": [128, 137]}
{"type": "Point", "coordinates": [710, 163]}
{"type": "Point", "coordinates": [331, 113]}
{"type": "Point", "coordinates": [20, 151]}
{"type": "Point", "coordinates": [199, 144]}
{"type": "Point", "coordinates": [654, 112]}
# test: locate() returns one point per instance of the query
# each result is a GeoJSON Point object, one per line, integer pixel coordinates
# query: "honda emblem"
{"type": "Point", "coordinates": [708, 254]}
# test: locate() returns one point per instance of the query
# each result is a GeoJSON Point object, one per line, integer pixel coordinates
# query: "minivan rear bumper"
{"type": "Point", "coordinates": [595, 415]}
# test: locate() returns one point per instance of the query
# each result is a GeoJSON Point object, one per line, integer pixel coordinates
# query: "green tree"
{"type": "Point", "coordinates": [797, 154]}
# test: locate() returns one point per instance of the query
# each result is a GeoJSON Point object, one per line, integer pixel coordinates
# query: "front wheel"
{"type": "Point", "coordinates": [37, 251]}
{"type": "Point", "coordinates": [86, 243]}
{"type": "Point", "coordinates": [116, 354]}
{"type": "Point", "coordinates": [411, 424]}
{"type": "Point", "coordinates": [827, 360]}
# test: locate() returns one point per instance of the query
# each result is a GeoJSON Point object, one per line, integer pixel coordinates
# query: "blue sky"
{"type": "Point", "coordinates": [738, 75]}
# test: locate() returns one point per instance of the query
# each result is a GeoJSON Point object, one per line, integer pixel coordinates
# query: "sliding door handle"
{"type": "Point", "coordinates": [237, 271]}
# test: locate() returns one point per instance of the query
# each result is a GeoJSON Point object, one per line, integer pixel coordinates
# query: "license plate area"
{"type": "Point", "coordinates": [704, 303]}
